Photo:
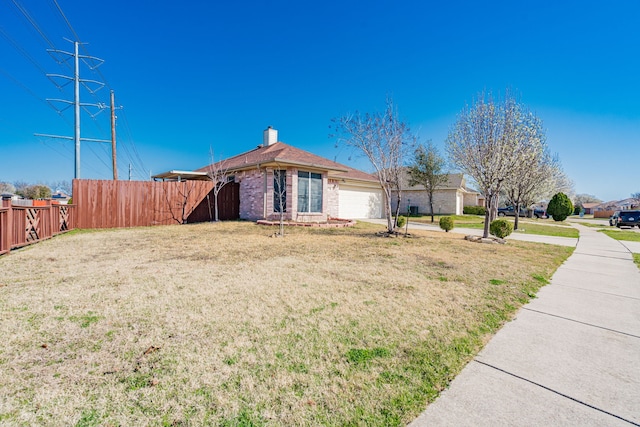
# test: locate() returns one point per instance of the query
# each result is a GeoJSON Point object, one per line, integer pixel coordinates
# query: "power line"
{"type": "Point", "coordinates": [22, 51]}
{"type": "Point", "coordinates": [130, 149]}
{"type": "Point", "coordinates": [33, 23]}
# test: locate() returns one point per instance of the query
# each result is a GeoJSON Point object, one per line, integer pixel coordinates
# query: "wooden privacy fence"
{"type": "Point", "coordinates": [602, 214]}
{"type": "Point", "coordinates": [119, 204]}
{"type": "Point", "coordinates": [24, 225]}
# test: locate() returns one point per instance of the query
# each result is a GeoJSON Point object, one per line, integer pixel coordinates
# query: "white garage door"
{"type": "Point", "coordinates": [357, 202]}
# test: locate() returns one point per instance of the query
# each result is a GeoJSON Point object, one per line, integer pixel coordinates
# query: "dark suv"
{"type": "Point", "coordinates": [628, 219]}
{"type": "Point", "coordinates": [510, 211]}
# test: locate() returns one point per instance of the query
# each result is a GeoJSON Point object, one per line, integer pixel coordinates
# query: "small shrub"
{"type": "Point", "coordinates": [501, 228]}
{"type": "Point", "coordinates": [474, 210]}
{"type": "Point", "coordinates": [446, 223]}
{"type": "Point", "coordinates": [560, 207]}
{"type": "Point", "coordinates": [401, 221]}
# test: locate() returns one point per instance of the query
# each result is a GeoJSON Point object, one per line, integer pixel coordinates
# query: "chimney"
{"type": "Point", "coordinates": [269, 136]}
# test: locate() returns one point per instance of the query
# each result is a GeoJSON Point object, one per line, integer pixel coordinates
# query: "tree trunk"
{"type": "Point", "coordinates": [281, 222]}
{"type": "Point", "coordinates": [516, 208]}
{"type": "Point", "coordinates": [387, 211]}
{"type": "Point", "coordinates": [395, 222]}
{"type": "Point", "coordinates": [215, 206]}
{"type": "Point", "coordinates": [431, 205]}
{"type": "Point", "coordinates": [488, 203]}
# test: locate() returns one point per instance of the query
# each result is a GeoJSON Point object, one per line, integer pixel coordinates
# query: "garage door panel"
{"type": "Point", "coordinates": [359, 203]}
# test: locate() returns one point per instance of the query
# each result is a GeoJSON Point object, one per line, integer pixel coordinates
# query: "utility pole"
{"type": "Point", "coordinates": [76, 102]}
{"type": "Point", "coordinates": [113, 137]}
{"type": "Point", "coordinates": [129, 171]}
{"type": "Point", "coordinates": [76, 98]}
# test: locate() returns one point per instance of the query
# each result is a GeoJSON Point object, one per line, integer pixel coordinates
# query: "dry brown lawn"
{"type": "Point", "coordinates": [220, 324]}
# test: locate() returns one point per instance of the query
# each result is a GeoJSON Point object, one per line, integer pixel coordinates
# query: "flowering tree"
{"type": "Point", "coordinates": [481, 144]}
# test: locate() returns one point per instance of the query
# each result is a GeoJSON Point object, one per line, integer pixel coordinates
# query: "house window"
{"type": "Point", "coordinates": [309, 192]}
{"type": "Point", "coordinates": [279, 190]}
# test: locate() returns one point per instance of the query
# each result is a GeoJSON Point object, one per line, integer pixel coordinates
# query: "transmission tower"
{"type": "Point", "coordinates": [76, 102]}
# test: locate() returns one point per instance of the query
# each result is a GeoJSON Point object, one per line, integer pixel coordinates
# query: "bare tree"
{"type": "Point", "coordinates": [64, 186]}
{"type": "Point", "coordinates": [181, 198]}
{"type": "Point", "coordinates": [635, 195]}
{"type": "Point", "coordinates": [280, 196]}
{"type": "Point", "coordinates": [219, 174]}
{"type": "Point", "coordinates": [427, 170]}
{"type": "Point", "coordinates": [383, 138]}
{"type": "Point", "coordinates": [482, 144]}
{"type": "Point", "coordinates": [590, 198]}
{"type": "Point", "coordinates": [7, 187]}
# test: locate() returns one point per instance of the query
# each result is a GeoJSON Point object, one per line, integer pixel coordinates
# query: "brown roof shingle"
{"type": "Point", "coordinates": [284, 154]}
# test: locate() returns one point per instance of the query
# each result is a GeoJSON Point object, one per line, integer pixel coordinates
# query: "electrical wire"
{"type": "Point", "coordinates": [137, 159]}
{"type": "Point", "coordinates": [33, 22]}
{"type": "Point", "coordinates": [128, 145]}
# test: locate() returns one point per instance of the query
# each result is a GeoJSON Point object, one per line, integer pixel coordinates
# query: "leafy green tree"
{"type": "Point", "coordinates": [560, 207]}
{"type": "Point", "coordinates": [427, 170]}
{"type": "Point", "coordinates": [36, 192]}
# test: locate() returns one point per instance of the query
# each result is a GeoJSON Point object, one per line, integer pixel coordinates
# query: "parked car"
{"type": "Point", "coordinates": [628, 219]}
{"type": "Point", "coordinates": [613, 219]}
{"type": "Point", "coordinates": [510, 211]}
{"type": "Point", "coordinates": [540, 213]}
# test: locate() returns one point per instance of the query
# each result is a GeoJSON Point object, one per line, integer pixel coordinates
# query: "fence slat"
{"type": "Point", "coordinates": [23, 224]}
{"type": "Point", "coordinates": [117, 204]}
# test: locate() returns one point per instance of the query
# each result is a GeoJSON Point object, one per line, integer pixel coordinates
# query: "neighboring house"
{"type": "Point", "coordinates": [590, 207]}
{"type": "Point", "coordinates": [618, 205]}
{"type": "Point", "coordinates": [314, 189]}
{"type": "Point", "coordinates": [9, 196]}
{"type": "Point", "coordinates": [60, 198]}
{"type": "Point", "coordinates": [448, 199]}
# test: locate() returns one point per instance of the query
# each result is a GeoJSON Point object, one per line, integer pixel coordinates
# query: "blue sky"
{"type": "Point", "coordinates": [199, 75]}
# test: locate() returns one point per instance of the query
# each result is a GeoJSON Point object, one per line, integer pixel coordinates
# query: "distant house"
{"type": "Point", "coordinates": [449, 199]}
{"type": "Point", "coordinates": [309, 188]}
{"type": "Point", "coordinates": [618, 205]}
{"type": "Point", "coordinates": [9, 196]}
{"type": "Point", "coordinates": [60, 198]}
{"type": "Point", "coordinates": [590, 207]}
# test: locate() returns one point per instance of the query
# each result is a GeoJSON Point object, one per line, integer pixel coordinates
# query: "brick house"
{"type": "Point", "coordinates": [448, 199]}
{"type": "Point", "coordinates": [308, 188]}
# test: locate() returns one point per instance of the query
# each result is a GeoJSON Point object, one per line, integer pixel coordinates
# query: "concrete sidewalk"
{"type": "Point", "coordinates": [571, 357]}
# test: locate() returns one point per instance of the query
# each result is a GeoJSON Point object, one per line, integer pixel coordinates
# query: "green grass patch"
{"type": "Point", "coordinates": [89, 419]}
{"type": "Point", "coordinates": [605, 224]}
{"type": "Point", "coordinates": [466, 219]}
{"type": "Point", "coordinates": [85, 320]}
{"type": "Point", "coordinates": [377, 331]}
{"type": "Point", "coordinates": [630, 236]}
{"type": "Point", "coordinates": [636, 259]}
{"type": "Point", "coordinates": [362, 356]}
{"type": "Point", "coordinates": [531, 227]}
